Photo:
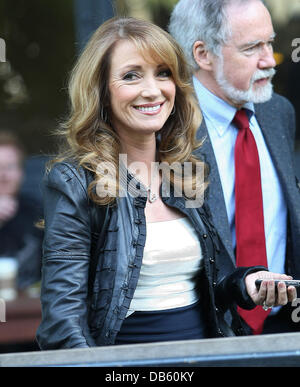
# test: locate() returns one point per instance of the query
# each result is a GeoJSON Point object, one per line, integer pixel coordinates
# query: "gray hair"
{"type": "Point", "coordinates": [204, 20]}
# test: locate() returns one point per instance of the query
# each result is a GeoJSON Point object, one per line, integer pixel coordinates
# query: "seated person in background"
{"type": "Point", "coordinates": [19, 238]}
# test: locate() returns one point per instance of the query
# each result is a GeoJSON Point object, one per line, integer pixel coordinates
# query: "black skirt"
{"type": "Point", "coordinates": [185, 323]}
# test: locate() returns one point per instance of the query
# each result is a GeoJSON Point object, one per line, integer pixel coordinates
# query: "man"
{"type": "Point", "coordinates": [229, 46]}
{"type": "Point", "coordinates": [20, 239]}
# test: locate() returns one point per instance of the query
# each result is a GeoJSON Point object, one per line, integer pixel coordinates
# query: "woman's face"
{"type": "Point", "coordinates": [142, 92]}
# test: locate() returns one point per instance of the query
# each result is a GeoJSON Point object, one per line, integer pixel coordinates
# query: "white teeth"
{"type": "Point", "coordinates": [148, 109]}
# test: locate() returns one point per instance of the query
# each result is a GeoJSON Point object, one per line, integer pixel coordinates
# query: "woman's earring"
{"type": "Point", "coordinates": [173, 111]}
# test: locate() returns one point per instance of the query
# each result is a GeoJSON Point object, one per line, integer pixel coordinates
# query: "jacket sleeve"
{"type": "Point", "coordinates": [232, 288]}
{"type": "Point", "coordinates": [65, 267]}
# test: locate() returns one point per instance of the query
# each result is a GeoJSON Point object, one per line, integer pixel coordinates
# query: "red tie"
{"type": "Point", "coordinates": [249, 217]}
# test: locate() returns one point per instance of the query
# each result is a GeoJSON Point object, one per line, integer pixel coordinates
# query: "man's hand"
{"type": "Point", "coordinates": [266, 295]}
{"type": "Point", "coordinates": [8, 207]}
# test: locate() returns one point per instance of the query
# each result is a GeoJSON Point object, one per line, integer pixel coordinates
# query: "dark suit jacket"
{"type": "Point", "coordinates": [277, 121]}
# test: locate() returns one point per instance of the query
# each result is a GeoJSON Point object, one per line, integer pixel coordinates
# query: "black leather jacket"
{"type": "Point", "coordinates": [85, 295]}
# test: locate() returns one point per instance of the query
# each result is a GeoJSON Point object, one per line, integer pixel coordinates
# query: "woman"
{"type": "Point", "coordinates": [155, 275]}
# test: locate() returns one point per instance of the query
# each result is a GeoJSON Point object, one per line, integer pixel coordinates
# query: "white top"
{"type": "Point", "coordinates": [172, 257]}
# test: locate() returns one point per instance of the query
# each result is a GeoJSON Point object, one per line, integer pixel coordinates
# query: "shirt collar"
{"type": "Point", "coordinates": [216, 110]}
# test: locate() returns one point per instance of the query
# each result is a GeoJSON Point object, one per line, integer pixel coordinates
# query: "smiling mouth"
{"type": "Point", "coordinates": [149, 109]}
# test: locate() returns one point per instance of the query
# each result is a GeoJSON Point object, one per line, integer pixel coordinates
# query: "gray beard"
{"type": "Point", "coordinates": [261, 94]}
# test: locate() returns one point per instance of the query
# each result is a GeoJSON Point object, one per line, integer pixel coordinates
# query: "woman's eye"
{"type": "Point", "coordinates": [166, 73]}
{"type": "Point", "coordinates": [131, 76]}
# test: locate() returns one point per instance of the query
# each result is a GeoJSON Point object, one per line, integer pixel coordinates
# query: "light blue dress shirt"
{"type": "Point", "coordinates": [218, 116]}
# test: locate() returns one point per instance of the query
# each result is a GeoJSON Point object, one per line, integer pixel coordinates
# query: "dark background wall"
{"type": "Point", "coordinates": [40, 51]}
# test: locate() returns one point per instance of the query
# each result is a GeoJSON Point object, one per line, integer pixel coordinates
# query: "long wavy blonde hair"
{"type": "Point", "coordinates": [90, 137]}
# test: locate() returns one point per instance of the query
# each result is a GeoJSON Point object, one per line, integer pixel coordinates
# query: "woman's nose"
{"type": "Point", "coordinates": [150, 88]}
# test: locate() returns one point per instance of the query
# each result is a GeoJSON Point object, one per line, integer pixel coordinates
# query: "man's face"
{"type": "Point", "coordinates": [244, 71]}
{"type": "Point", "coordinates": [11, 172]}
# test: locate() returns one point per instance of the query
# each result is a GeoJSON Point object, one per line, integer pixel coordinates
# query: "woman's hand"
{"type": "Point", "coordinates": [266, 295]}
